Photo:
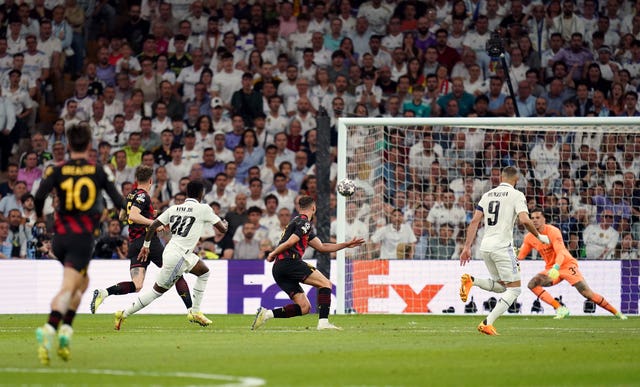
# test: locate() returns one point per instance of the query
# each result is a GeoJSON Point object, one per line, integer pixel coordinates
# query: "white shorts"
{"type": "Point", "coordinates": [174, 265]}
{"type": "Point", "coordinates": [502, 264]}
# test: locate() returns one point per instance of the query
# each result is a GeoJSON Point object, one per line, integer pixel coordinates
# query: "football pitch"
{"type": "Point", "coordinates": [373, 350]}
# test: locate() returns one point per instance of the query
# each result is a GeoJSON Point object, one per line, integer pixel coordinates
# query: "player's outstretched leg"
{"type": "Point", "coordinates": [264, 314]}
{"type": "Point", "coordinates": [142, 301]}
{"type": "Point", "coordinates": [99, 295]}
{"type": "Point", "coordinates": [586, 292]}
{"type": "Point", "coordinates": [466, 282]}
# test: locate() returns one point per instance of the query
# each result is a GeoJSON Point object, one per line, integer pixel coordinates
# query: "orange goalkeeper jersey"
{"type": "Point", "coordinates": [553, 253]}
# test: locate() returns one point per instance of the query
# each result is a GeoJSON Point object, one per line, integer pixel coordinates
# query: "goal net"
{"type": "Point", "coordinates": [418, 181]}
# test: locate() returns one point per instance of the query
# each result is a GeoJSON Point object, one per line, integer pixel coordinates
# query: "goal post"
{"type": "Point", "coordinates": [367, 154]}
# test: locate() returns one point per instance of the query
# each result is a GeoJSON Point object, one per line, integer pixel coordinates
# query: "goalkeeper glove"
{"type": "Point", "coordinates": [544, 239]}
{"type": "Point", "coordinates": [553, 273]}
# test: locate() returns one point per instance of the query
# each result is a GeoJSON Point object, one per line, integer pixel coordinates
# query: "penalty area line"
{"type": "Point", "coordinates": [232, 381]}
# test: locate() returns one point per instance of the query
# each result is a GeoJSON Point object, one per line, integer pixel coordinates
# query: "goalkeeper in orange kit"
{"type": "Point", "coordinates": [559, 266]}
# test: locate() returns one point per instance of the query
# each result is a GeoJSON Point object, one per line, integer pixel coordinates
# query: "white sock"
{"type": "Point", "coordinates": [269, 314]}
{"type": "Point", "coordinates": [198, 291]}
{"type": "Point", "coordinates": [489, 284]}
{"type": "Point", "coordinates": [323, 321]}
{"type": "Point", "coordinates": [510, 295]}
{"type": "Point", "coordinates": [142, 301]}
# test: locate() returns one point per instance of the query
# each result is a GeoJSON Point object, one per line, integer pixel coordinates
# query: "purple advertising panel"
{"type": "Point", "coordinates": [630, 286]}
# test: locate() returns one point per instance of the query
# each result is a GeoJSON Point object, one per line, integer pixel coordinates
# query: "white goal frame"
{"type": "Point", "coordinates": [586, 124]}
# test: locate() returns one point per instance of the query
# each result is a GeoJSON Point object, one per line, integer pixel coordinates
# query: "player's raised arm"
{"type": "Point", "coordinates": [525, 220]}
{"type": "Point", "coordinates": [322, 247]}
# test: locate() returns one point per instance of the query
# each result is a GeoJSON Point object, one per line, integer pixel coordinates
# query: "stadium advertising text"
{"type": "Point", "coordinates": [375, 287]}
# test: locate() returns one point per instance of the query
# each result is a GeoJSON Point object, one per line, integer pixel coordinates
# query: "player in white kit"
{"type": "Point", "coordinates": [499, 209]}
{"type": "Point", "coordinates": [186, 222]}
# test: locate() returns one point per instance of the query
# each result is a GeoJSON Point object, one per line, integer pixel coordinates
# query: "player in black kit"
{"type": "Point", "coordinates": [140, 213]}
{"type": "Point", "coordinates": [289, 270]}
{"type": "Point", "coordinates": [78, 185]}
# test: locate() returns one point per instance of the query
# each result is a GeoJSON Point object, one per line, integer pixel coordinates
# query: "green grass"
{"type": "Point", "coordinates": [373, 350]}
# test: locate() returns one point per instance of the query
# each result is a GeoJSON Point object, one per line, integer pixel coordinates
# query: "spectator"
{"type": "Point", "coordinates": [614, 203]}
{"type": "Point", "coordinates": [238, 214]}
{"type": "Point", "coordinates": [121, 170]}
{"type": "Point", "coordinates": [575, 56]}
{"type": "Point", "coordinates": [111, 245]}
{"type": "Point", "coordinates": [14, 200]}
{"type": "Point", "coordinates": [18, 234]}
{"type": "Point", "coordinates": [601, 239]}
{"type": "Point", "coordinates": [135, 27]}
{"type": "Point", "coordinates": [174, 106]}
{"type": "Point", "coordinates": [247, 102]}
{"type": "Point", "coordinates": [220, 195]}
{"type": "Point", "coordinates": [6, 187]}
{"type": "Point", "coordinates": [5, 243]}
{"type": "Point", "coordinates": [626, 249]}
{"type": "Point", "coordinates": [458, 93]}
{"type": "Point", "coordinates": [30, 172]}
{"type": "Point", "coordinates": [395, 240]}
{"type": "Point", "coordinates": [630, 104]}
{"type": "Point", "coordinates": [445, 212]}
{"type": "Point", "coordinates": [525, 101]}
{"type": "Point", "coordinates": [443, 246]}
{"type": "Point", "coordinates": [39, 147]}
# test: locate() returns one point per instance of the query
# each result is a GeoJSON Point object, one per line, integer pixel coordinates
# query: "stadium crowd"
{"type": "Point", "coordinates": [229, 92]}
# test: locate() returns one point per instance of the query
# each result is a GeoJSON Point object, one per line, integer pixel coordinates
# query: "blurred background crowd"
{"type": "Point", "coordinates": [229, 92]}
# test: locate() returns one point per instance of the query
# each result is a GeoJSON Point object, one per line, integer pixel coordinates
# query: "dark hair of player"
{"type": "Point", "coordinates": [194, 189]}
{"type": "Point", "coordinates": [143, 173]}
{"type": "Point", "coordinates": [79, 137]}
{"type": "Point", "coordinates": [538, 209]}
{"type": "Point", "coordinates": [305, 202]}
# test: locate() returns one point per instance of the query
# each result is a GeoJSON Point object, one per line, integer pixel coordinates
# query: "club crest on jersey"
{"type": "Point", "coordinates": [140, 198]}
{"type": "Point", "coordinates": [306, 227]}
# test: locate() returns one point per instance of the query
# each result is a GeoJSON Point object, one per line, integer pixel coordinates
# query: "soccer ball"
{"type": "Point", "coordinates": [346, 187]}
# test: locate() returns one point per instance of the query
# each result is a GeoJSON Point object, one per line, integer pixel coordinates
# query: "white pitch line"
{"type": "Point", "coordinates": [234, 381]}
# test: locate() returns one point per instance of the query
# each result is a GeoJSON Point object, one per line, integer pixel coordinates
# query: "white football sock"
{"type": "Point", "coordinates": [509, 296]}
{"type": "Point", "coordinates": [198, 291]}
{"type": "Point", "coordinates": [142, 301]}
{"type": "Point", "coordinates": [489, 284]}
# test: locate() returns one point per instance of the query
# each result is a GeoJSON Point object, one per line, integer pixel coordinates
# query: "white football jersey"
{"type": "Point", "coordinates": [186, 222]}
{"type": "Point", "coordinates": [500, 207]}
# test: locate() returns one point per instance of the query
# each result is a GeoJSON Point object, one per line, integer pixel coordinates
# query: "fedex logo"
{"type": "Point", "coordinates": [378, 284]}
